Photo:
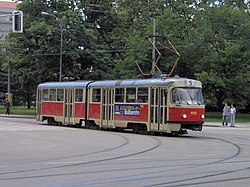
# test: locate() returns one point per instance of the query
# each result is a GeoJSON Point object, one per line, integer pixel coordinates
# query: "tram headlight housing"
{"type": "Point", "coordinates": [202, 116]}
{"type": "Point", "coordinates": [184, 116]}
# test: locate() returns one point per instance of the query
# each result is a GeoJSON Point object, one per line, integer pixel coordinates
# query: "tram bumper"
{"type": "Point", "coordinates": [195, 126]}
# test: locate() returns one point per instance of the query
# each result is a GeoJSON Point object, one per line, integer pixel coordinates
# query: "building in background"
{"type": "Point", "coordinates": [6, 7]}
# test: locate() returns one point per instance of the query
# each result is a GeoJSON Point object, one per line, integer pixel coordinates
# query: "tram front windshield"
{"type": "Point", "coordinates": [187, 96]}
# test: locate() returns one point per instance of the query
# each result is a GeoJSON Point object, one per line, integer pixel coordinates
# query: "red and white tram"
{"type": "Point", "coordinates": [171, 105]}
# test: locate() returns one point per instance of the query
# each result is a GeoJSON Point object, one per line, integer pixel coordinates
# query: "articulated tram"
{"type": "Point", "coordinates": [165, 105]}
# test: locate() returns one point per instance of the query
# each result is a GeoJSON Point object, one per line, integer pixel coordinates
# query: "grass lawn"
{"type": "Point", "coordinates": [217, 117]}
{"type": "Point", "coordinates": [209, 116]}
{"type": "Point", "coordinates": [21, 110]}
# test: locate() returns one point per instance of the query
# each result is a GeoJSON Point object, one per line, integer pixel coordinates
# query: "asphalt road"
{"type": "Point", "coordinates": [35, 154]}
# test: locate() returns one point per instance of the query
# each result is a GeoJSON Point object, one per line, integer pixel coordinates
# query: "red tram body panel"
{"type": "Point", "coordinates": [94, 111]}
{"type": "Point", "coordinates": [79, 110]}
{"type": "Point", "coordinates": [52, 108]}
{"type": "Point", "coordinates": [192, 114]}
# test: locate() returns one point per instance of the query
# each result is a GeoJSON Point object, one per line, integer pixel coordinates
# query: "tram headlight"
{"type": "Point", "coordinates": [184, 116]}
{"type": "Point", "coordinates": [202, 116]}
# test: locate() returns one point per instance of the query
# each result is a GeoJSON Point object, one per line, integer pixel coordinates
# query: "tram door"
{"type": "Point", "coordinates": [38, 104]}
{"type": "Point", "coordinates": [159, 109]}
{"type": "Point", "coordinates": [107, 110]}
{"type": "Point", "coordinates": [69, 106]}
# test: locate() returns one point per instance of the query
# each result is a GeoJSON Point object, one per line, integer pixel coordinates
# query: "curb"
{"type": "Point", "coordinates": [18, 116]}
{"type": "Point", "coordinates": [247, 125]}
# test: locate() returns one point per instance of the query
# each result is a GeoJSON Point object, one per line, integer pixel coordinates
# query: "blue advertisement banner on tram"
{"type": "Point", "coordinates": [127, 110]}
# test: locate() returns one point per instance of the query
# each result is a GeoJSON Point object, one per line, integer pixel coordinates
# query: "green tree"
{"type": "Point", "coordinates": [111, 36]}
{"type": "Point", "coordinates": [38, 47]}
{"type": "Point", "coordinates": [225, 55]}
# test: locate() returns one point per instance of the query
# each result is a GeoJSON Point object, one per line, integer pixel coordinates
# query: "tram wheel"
{"type": "Point", "coordinates": [51, 121]}
{"type": "Point", "coordinates": [175, 134]}
{"type": "Point", "coordinates": [78, 125]}
{"type": "Point", "coordinates": [135, 129]}
{"type": "Point", "coordinates": [142, 129]}
{"type": "Point", "coordinates": [87, 124]}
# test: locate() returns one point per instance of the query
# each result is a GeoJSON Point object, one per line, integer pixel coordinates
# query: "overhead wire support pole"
{"type": "Point", "coordinates": [61, 40]}
{"type": "Point", "coordinates": [153, 48]}
{"type": "Point", "coordinates": [152, 72]}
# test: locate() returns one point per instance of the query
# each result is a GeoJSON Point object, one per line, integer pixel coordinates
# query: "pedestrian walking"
{"type": "Point", "coordinates": [7, 106]}
{"type": "Point", "coordinates": [225, 115]}
{"type": "Point", "coordinates": [232, 116]}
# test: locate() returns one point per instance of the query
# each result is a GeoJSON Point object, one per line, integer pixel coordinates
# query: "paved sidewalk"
{"type": "Point", "coordinates": [18, 116]}
{"type": "Point", "coordinates": [215, 124]}
{"type": "Point", "coordinates": [206, 124]}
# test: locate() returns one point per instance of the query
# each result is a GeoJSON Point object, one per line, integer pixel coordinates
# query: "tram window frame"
{"type": "Point", "coordinates": [79, 95]}
{"type": "Point", "coordinates": [45, 95]}
{"type": "Point", "coordinates": [142, 95]}
{"type": "Point", "coordinates": [52, 94]}
{"type": "Point", "coordinates": [96, 95]}
{"type": "Point", "coordinates": [60, 94]}
{"type": "Point", "coordinates": [119, 95]}
{"type": "Point", "coordinates": [130, 95]}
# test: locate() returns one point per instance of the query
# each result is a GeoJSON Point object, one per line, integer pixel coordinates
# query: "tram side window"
{"type": "Point", "coordinates": [130, 95]}
{"type": "Point", "coordinates": [52, 95]}
{"type": "Point", "coordinates": [142, 95]}
{"type": "Point", "coordinates": [60, 94]}
{"type": "Point", "coordinates": [96, 96]}
{"type": "Point", "coordinates": [119, 95]}
{"type": "Point", "coordinates": [79, 95]}
{"type": "Point", "coordinates": [175, 96]}
{"type": "Point", "coordinates": [45, 95]}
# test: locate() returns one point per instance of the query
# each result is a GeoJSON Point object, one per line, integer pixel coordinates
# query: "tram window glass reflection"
{"type": "Point", "coordinates": [45, 95]}
{"type": "Point", "coordinates": [79, 95]}
{"type": "Point", "coordinates": [52, 95]}
{"type": "Point", "coordinates": [96, 96]}
{"type": "Point", "coordinates": [60, 94]}
{"type": "Point", "coordinates": [142, 96]}
{"type": "Point", "coordinates": [119, 95]}
{"type": "Point", "coordinates": [196, 96]}
{"type": "Point", "coordinates": [187, 96]}
{"type": "Point", "coordinates": [130, 95]}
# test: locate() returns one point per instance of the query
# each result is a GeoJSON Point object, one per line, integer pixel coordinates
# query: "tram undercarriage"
{"type": "Point", "coordinates": [192, 126]}
{"type": "Point", "coordinates": [137, 128]}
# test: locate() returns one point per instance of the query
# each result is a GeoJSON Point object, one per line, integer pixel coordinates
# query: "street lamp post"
{"type": "Point", "coordinates": [60, 23]}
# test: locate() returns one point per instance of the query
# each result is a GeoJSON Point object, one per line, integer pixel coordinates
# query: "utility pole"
{"type": "Point", "coordinates": [8, 88]}
{"type": "Point", "coordinates": [153, 47]}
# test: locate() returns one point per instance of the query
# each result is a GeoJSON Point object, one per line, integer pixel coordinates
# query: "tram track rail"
{"type": "Point", "coordinates": [146, 175]}
{"type": "Point", "coordinates": [157, 173]}
{"type": "Point", "coordinates": [236, 154]}
{"type": "Point", "coordinates": [155, 146]}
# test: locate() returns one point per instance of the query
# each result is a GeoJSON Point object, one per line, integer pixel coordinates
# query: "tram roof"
{"type": "Point", "coordinates": [132, 82]}
{"type": "Point", "coordinates": [72, 84]}
{"type": "Point", "coordinates": [112, 83]}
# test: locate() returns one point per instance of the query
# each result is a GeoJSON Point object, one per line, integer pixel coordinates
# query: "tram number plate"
{"type": "Point", "coordinates": [194, 113]}
{"type": "Point", "coordinates": [190, 83]}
